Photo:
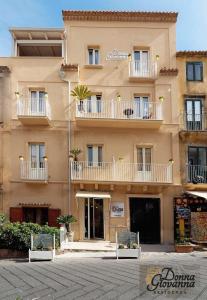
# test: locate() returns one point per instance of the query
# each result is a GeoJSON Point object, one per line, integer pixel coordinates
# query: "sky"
{"type": "Point", "coordinates": [191, 25]}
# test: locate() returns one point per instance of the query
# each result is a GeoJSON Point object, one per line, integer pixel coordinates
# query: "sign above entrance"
{"type": "Point", "coordinates": [117, 55]}
{"type": "Point", "coordinates": [117, 209]}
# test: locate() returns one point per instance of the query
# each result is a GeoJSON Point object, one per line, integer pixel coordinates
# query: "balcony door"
{"type": "Point", "coordinates": [144, 160]}
{"type": "Point", "coordinates": [37, 103]}
{"type": "Point", "coordinates": [194, 114]}
{"type": "Point", "coordinates": [141, 63]}
{"type": "Point", "coordinates": [94, 219]}
{"type": "Point", "coordinates": [141, 105]}
{"type": "Point", "coordinates": [94, 104]}
{"type": "Point", "coordinates": [197, 164]}
{"type": "Point", "coordinates": [94, 155]}
{"type": "Point", "coordinates": [37, 164]}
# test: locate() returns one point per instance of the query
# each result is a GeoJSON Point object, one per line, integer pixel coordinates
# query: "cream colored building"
{"type": "Point", "coordinates": [128, 130]}
{"type": "Point", "coordinates": [128, 171]}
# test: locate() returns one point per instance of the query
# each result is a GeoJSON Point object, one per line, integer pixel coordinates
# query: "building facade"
{"type": "Point", "coordinates": [192, 202]}
{"type": "Point", "coordinates": [34, 127]}
{"type": "Point", "coordinates": [128, 171]}
{"type": "Point", "coordinates": [127, 130]}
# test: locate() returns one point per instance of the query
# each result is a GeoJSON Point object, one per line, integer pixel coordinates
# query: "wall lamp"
{"type": "Point", "coordinates": [45, 158]}
{"type": "Point", "coordinates": [171, 161]}
{"type": "Point", "coordinates": [161, 98]}
{"type": "Point", "coordinates": [21, 157]}
{"type": "Point", "coordinates": [157, 57]}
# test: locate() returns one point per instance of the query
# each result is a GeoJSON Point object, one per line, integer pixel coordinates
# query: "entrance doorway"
{"type": "Point", "coordinates": [94, 221]}
{"type": "Point", "coordinates": [145, 219]}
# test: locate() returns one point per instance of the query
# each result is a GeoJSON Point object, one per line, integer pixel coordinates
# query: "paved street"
{"type": "Point", "coordinates": [97, 277]}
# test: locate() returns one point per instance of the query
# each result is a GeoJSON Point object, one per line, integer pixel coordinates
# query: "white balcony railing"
{"type": "Point", "coordinates": [119, 171]}
{"type": "Point", "coordinates": [196, 173]}
{"type": "Point", "coordinates": [141, 69]}
{"type": "Point", "coordinates": [99, 109]}
{"type": "Point", "coordinates": [33, 108]}
{"type": "Point", "coordinates": [33, 171]}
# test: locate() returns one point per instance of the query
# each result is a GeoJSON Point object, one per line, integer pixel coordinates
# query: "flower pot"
{"type": "Point", "coordinates": [69, 236]}
{"type": "Point", "coordinates": [183, 248]}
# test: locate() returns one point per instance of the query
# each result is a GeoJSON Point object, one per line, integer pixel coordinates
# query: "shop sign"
{"type": "Point", "coordinates": [117, 209]}
{"type": "Point", "coordinates": [117, 55]}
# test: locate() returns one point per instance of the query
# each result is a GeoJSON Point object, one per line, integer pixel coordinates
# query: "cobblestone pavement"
{"type": "Point", "coordinates": [86, 278]}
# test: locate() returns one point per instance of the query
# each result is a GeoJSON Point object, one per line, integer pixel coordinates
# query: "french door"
{"type": "Point", "coordinates": [94, 219]}
{"type": "Point", "coordinates": [197, 164]}
{"type": "Point", "coordinates": [94, 155]}
{"type": "Point", "coordinates": [141, 107]}
{"type": "Point", "coordinates": [194, 114]}
{"type": "Point", "coordinates": [141, 63]}
{"type": "Point", "coordinates": [144, 159]}
{"type": "Point", "coordinates": [94, 104]}
{"type": "Point", "coordinates": [37, 163]}
{"type": "Point", "coordinates": [38, 103]}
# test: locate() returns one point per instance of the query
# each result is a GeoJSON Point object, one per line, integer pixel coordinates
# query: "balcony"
{"type": "Point", "coordinates": [121, 172]}
{"type": "Point", "coordinates": [196, 174]}
{"type": "Point", "coordinates": [139, 70]}
{"type": "Point", "coordinates": [33, 172]}
{"type": "Point", "coordinates": [195, 122]}
{"type": "Point", "coordinates": [114, 113]}
{"type": "Point", "coordinates": [31, 112]}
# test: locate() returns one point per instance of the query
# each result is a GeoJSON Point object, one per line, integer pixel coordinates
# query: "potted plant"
{"type": "Point", "coordinates": [74, 153]}
{"type": "Point", "coordinates": [127, 244]}
{"type": "Point", "coordinates": [67, 220]}
{"type": "Point", "coordinates": [183, 245]}
{"type": "Point", "coordinates": [81, 92]}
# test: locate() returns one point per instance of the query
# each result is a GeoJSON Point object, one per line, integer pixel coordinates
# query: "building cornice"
{"type": "Point", "coordinates": [191, 54]}
{"type": "Point", "coordinates": [168, 72]}
{"type": "Point", "coordinates": [121, 16]}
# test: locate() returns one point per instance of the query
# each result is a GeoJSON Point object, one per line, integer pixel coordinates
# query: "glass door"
{"type": "Point", "coordinates": [94, 221]}
{"type": "Point", "coordinates": [94, 104]}
{"type": "Point", "coordinates": [194, 114]}
{"type": "Point", "coordinates": [197, 164]}
{"type": "Point", "coordinates": [38, 104]}
{"type": "Point", "coordinates": [141, 107]}
{"type": "Point", "coordinates": [37, 153]}
{"type": "Point", "coordinates": [141, 63]}
{"type": "Point", "coordinates": [144, 159]}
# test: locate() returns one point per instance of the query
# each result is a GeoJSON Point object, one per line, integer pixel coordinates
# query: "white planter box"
{"type": "Point", "coordinates": [42, 255]}
{"type": "Point", "coordinates": [128, 253]}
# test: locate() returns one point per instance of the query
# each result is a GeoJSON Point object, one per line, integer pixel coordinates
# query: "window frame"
{"type": "Point", "coordinates": [194, 63]}
{"type": "Point", "coordinates": [94, 50]}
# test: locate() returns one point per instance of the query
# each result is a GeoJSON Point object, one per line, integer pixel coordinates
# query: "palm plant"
{"type": "Point", "coordinates": [66, 220]}
{"type": "Point", "coordinates": [75, 152]}
{"type": "Point", "coordinates": [81, 92]}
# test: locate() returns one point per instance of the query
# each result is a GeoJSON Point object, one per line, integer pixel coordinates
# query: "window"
{"type": "Point", "coordinates": [193, 107]}
{"type": "Point", "coordinates": [94, 104]}
{"type": "Point", "coordinates": [141, 63]}
{"type": "Point", "coordinates": [197, 156]}
{"type": "Point", "coordinates": [144, 158]}
{"type": "Point", "coordinates": [93, 56]}
{"type": "Point", "coordinates": [38, 104]}
{"type": "Point", "coordinates": [37, 154]}
{"type": "Point", "coordinates": [194, 71]}
{"type": "Point", "coordinates": [197, 164]}
{"type": "Point", "coordinates": [142, 109]}
{"type": "Point", "coordinates": [94, 155]}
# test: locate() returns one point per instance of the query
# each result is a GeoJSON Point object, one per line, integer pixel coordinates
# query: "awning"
{"type": "Point", "coordinates": [198, 194]}
{"type": "Point", "coordinates": [84, 194]}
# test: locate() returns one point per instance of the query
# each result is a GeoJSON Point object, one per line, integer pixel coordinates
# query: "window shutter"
{"type": "Point", "coordinates": [52, 217]}
{"type": "Point", "coordinates": [16, 214]}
